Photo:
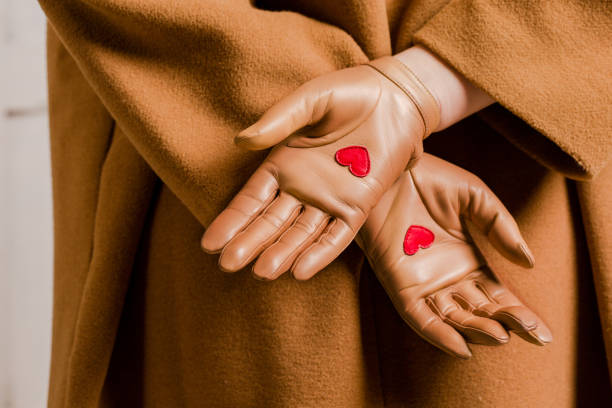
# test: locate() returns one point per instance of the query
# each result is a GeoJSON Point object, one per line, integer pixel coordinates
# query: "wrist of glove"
{"type": "Point", "coordinates": [398, 73]}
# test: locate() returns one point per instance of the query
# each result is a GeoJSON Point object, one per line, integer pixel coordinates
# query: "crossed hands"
{"type": "Point", "coordinates": [337, 172]}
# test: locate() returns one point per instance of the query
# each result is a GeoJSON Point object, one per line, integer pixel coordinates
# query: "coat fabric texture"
{"type": "Point", "coordinates": [145, 97]}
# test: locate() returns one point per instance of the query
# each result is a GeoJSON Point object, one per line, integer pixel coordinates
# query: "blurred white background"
{"type": "Point", "coordinates": [25, 208]}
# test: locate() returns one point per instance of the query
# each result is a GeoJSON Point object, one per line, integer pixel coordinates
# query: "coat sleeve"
{"type": "Point", "coordinates": [181, 78]}
{"type": "Point", "coordinates": [547, 63]}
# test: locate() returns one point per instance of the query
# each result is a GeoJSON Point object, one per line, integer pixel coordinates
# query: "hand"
{"type": "Point", "coordinates": [422, 254]}
{"type": "Point", "coordinates": [344, 139]}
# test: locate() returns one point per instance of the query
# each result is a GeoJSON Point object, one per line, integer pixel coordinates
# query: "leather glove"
{"type": "Point", "coordinates": [343, 139]}
{"type": "Point", "coordinates": [421, 252]}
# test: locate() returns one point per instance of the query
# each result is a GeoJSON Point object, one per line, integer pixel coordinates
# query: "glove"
{"type": "Point", "coordinates": [417, 244]}
{"type": "Point", "coordinates": [343, 139]}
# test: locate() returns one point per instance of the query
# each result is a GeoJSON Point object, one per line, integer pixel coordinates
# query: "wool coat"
{"type": "Point", "coordinates": [145, 97]}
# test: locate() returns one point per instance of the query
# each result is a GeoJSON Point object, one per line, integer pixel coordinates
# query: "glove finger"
{"type": "Point", "coordinates": [469, 296]}
{"type": "Point", "coordinates": [476, 329]}
{"type": "Point", "coordinates": [427, 324]}
{"type": "Point", "coordinates": [506, 308]}
{"type": "Point", "coordinates": [262, 232]}
{"type": "Point", "coordinates": [296, 110]}
{"type": "Point", "coordinates": [336, 237]}
{"type": "Point", "coordinates": [494, 220]}
{"type": "Point", "coordinates": [539, 336]}
{"type": "Point", "coordinates": [277, 259]}
{"type": "Point", "coordinates": [251, 200]}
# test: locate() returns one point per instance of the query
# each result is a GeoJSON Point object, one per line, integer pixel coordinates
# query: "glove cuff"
{"type": "Point", "coordinates": [398, 73]}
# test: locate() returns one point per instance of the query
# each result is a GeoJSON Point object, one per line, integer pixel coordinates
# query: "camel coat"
{"type": "Point", "coordinates": [145, 97]}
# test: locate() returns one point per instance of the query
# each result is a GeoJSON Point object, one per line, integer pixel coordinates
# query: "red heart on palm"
{"type": "Point", "coordinates": [356, 158]}
{"type": "Point", "coordinates": [417, 237]}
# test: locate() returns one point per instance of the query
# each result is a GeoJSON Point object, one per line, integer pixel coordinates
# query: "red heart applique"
{"type": "Point", "coordinates": [356, 158]}
{"type": "Point", "coordinates": [417, 237]}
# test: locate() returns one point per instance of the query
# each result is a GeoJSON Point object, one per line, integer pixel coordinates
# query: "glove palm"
{"type": "Point", "coordinates": [416, 241]}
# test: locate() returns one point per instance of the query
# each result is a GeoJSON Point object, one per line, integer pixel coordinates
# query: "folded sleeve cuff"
{"type": "Point", "coordinates": [546, 63]}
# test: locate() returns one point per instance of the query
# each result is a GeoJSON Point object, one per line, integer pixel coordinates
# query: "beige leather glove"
{"type": "Point", "coordinates": [344, 138]}
{"type": "Point", "coordinates": [417, 244]}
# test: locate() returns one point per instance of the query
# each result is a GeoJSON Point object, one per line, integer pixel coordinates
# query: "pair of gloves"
{"type": "Point", "coordinates": [348, 163]}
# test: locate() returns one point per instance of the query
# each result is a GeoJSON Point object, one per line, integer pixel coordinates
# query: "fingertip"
{"type": "Point", "coordinates": [209, 246]}
{"type": "Point", "coordinates": [446, 338]}
{"type": "Point", "coordinates": [300, 275]}
{"type": "Point", "coordinates": [264, 270]}
{"type": "Point", "coordinates": [515, 250]}
{"type": "Point", "coordinates": [502, 338]}
{"type": "Point", "coordinates": [528, 259]}
{"type": "Point", "coordinates": [218, 234]}
{"type": "Point", "coordinates": [491, 335]}
{"type": "Point", "coordinates": [260, 136]}
{"type": "Point", "coordinates": [458, 350]}
{"type": "Point", "coordinates": [261, 277]}
{"type": "Point", "coordinates": [247, 141]}
{"type": "Point", "coordinates": [543, 334]}
{"type": "Point", "coordinates": [249, 131]}
{"type": "Point", "coordinates": [226, 269]}
{"type": "Point", "coordinates": [458, 347]}
{"type": "Point", "coordinates": [517, 318]}
{"type": "Point", "coordinates": [302, 271]}
{"type": "Point", "coordinates": [232, 261]}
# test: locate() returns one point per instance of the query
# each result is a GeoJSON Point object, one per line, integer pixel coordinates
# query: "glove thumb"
{"type": "Point", "coordinates": [496, 222]}
{"type": "Point", "coordinates": [295, 111]}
